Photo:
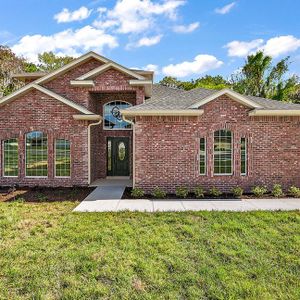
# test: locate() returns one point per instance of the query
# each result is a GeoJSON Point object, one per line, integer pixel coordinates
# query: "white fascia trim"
{"type": "Point", "coordinates": [233, 95]}
{"type": "Point", "coordinates": [30, 86]}
{"type": "Point", "coordinates": [82, 83]}
{"type": "Point", "coordinates": [109, 65]}
{"type": "Point", "coordinates": [87, 117]}
{"type": "Point", "coordinates": [63, 100]}
{"type": "Point", "coordinates": [71, 65]}
{"type": "Point", "coordinates": [275, 112]}
{"type": "Point", "coordinates": [140, 82]}
{"type": "Point", "coordinates": [154, 112]}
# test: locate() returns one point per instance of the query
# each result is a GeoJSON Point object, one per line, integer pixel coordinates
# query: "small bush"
{"type": "Point", "coordinates": [137, 193]}
{"type": "Point", "coordinates": [182, 192]}
{"type": "Point", "coordinates": [294, 191]}
{"type": "Point", "coordinates": [159, 193]}
{"type": "Point", "coordinates": [41, 197]}
{"type": "Point", "coordinates": [199, 192]}
{"type": "Point", "coordinates": [237, 191]}
{"type": "Point", "coordinates": [215, 192]}
{"type": "Point", "coordinates": [277, 190]}
{"type": "Point", "coordinates": [259, 191]}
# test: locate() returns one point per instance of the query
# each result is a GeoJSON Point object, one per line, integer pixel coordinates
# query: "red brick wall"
{"type": "Point", "coordinates": [37, 111]}
{"type": "Point", "coordinates": [167, 148]}
{"type": "Point", "coordinates": [109, 81]}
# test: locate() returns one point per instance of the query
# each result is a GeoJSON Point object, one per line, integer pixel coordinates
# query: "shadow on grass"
{"type": "Point", "coordinates": [44, 194]}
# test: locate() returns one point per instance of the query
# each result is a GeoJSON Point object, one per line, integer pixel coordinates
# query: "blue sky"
{"type": "Point", "coordinates": [186, 39]}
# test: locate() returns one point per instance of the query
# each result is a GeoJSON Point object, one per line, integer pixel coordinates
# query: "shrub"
{"type": "Point", "coordinates": [41, 197]}
{"type": "Point", "coordinates": [215, 192]}
{"type": "Point", "coordinates": [182, 192]}
{"type": "Point", "coordinates": [137, 193]}
{"type": "Point", "coordinates": [199, 192]}
{"type": "Point", "coordinates": [159, 193]}
{"type": "Point", "coordinates": [258, 191]}
{"type": "Point", "coordinates": [294, 191]}
{"type": "Point", "coordinates": [277, 190]}
{"type": "Point", "coordinates": [237, 191]}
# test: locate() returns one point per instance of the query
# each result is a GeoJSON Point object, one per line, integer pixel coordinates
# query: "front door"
{"type": "Point", "coordinates": [118, 156]}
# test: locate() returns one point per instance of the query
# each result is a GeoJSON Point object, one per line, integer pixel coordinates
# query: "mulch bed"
{"type": "Point", "coordinates": [45, 194]}
{"type": "Point", "coordinates": [227, 196]}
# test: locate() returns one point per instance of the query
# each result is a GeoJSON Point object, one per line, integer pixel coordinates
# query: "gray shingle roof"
{"type": "Point", "coordinates": [167, 98]}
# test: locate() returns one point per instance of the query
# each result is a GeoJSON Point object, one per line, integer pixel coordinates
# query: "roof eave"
{"type": "Point", "coordinates": [274, 112]}
{"type": "Point", "coordinates": [163, 112]}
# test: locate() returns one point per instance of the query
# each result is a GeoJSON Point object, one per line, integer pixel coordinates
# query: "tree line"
{"type": "Point", "coordinates": [259, 76]}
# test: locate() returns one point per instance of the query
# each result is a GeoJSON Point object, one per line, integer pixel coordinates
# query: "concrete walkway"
{"type": "Point", "coordinates": [111, 201]}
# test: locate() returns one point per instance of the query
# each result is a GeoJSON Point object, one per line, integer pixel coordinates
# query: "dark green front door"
{"type": "Point", "coordinates": [118, 156]}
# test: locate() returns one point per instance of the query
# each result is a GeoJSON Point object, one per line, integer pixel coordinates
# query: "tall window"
{"type": "Point", "coordinates": [202, 159]}
{"type": "Point", "coordinates": [62, 158]}
{"type": "Point", "coordinates": [10, 157]}
{"type": "Point", "coordinates": [223, 152]}
{"type": "Point", "coordinates": [243, 156]}
{"type": "Point", "coordinates": [36, 154]}
{"type": "Point", "coordinates": [112, 116]}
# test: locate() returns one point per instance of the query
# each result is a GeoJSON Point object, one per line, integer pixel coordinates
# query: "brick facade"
{"type": "Point", "coordinates": [167, 148]}
{"type": "Point", "coordinates": [36, 111]}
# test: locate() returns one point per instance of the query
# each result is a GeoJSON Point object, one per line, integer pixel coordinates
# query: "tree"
{"type": "Point", "coordinates": [170, 81]}
{"type": "Point", "coordinates": [259, 77]}
{"type": "Point", "coordinates": [48, 61]}
{"type": "Point", "coordinates": [9, 64]}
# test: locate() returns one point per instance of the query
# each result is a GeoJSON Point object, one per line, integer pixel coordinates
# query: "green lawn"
{"type": "Point", "coordinates": [47, 252]}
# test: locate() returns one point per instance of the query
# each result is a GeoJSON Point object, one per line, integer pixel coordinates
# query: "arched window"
{"type": "Point", "coordinates": [223, 152]}
{"type": "Point", "coordinates": [62, 158]}
{"type": "Point", "coordinates": [112, 115]}
{"type": "Point", "coordinates": [36, 154]}
{"type": "Point", "coordinates": [10, 158]}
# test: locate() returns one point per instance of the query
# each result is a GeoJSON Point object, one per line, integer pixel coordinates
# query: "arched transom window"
{"type": "Point", "coordinates": [112, 116]}
{"type": "Point", "coordinates": [223, 152]}
{"type": "Point", "coordinates": [36, 154]}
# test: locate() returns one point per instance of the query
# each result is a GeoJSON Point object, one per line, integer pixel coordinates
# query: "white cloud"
{"type": "Point", "coordinates": [225, 9]}
{"type": "Point", "coordinates": [145, 42]}
{"type": "Point", "coordinates": [66, 16]}
{"type": "Point", "coordinates": [186, 28]}
{"type": "Point", "coordinates": [68, 42]}
{"type": "Point", "coordinates": [274, 47]}
{"type": "Point", "coordinates": [281, 45]}
{"type": "Point", "coordinates": [152, 67]}
{"type": "Point", "coordinates": [201, 64]}
{"type": "Point", "coordinates": [242, 49]}
{"type": "Point", "coordinates": [136, 16]}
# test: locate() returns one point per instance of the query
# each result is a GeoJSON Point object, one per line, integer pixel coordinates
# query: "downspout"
{"type": "Point", "coordinates": [133, 148]}
{"type": "Point", "coordinates": [89, 147]}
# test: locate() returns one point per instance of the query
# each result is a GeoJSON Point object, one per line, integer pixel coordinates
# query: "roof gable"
{"type": "Point", "coordinates": [107, 66]}
{"type": "Point", "coordinates": [233, 95]}
{"type": "Point", "coordinates": [27, 88]}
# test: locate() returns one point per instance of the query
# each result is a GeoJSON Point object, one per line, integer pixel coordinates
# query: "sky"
{"type": "Point", "coordinates": [186, 39]}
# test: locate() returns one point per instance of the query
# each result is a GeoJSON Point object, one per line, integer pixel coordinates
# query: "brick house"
{"type": "Point", "coordinates": [94, 118]}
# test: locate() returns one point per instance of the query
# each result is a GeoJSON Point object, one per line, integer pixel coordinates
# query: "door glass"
{"type": "Point", "coordinates": [121, 151]}
{"type": "Point", "coordinates": [109, 155]}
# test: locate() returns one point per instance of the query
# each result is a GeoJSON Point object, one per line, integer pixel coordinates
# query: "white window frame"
{"type": "Point", "coordinates": [232, 156]}
{"type": "Point", "coordinates": [103, 115]}
{"type": "Point", "coordinates": [246, 156]}
{"type": "Point", "coordinates": [27, 176]}
{"type": "Point", "coordinates": [3, 159]}
{"type": "Point", "coordinates": [205, 156]}
{"type": "Point", "coordinates": [55, 176]}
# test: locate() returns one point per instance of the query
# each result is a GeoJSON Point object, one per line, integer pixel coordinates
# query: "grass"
{"type": "Point", "coordinates": [47, 252]}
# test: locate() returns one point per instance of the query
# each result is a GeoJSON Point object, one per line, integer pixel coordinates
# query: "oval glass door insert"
{"type": "Point", "coordinates": [121, 151]}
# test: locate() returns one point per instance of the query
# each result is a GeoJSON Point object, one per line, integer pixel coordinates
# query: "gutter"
{"type": "Point", "coordinates": [163, 112]}
{"type": "Point", "coordinates": [275, 112]}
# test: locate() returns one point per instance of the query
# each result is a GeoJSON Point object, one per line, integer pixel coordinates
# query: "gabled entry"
{"type": "Point", "coordinates": [117, 156]}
